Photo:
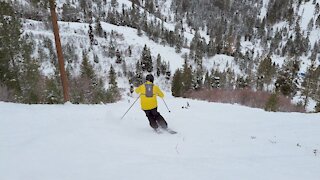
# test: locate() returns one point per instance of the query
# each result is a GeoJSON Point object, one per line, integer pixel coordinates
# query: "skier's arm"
{"type": "Point", "coordinates": [138, 90]}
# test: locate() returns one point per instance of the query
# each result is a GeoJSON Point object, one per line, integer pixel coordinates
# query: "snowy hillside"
{"type": "Point", "coordinates": [307, 13]}
{"type": "Point", "coordinates": [214, 141]}
{"type": "Point", "coordinates": [74, 35]}
{"type": "Point", "coordinates": [77, 34]}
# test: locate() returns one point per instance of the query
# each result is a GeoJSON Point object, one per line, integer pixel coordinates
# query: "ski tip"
{"type": "Point", "coordinates": [171, 131]}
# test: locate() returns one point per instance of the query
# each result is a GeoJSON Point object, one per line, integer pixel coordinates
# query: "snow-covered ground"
{"type": "Point", "coordinates": [214, 141]}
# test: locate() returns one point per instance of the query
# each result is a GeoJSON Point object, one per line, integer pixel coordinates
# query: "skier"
{"type": "Point", "coordinates": [148, 98]}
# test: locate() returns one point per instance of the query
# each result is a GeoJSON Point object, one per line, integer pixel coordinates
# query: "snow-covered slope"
{"type": "Point", "coordinates": [214, 141]}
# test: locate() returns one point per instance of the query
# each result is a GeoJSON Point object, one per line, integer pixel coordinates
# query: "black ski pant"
{"type": "Point", "coordinates": [155, 119]}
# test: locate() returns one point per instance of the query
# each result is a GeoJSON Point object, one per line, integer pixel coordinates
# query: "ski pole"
{"type": "Point", "coordinates": [130, 107]}
{"type": "Point", "coordinates": [166, 104]}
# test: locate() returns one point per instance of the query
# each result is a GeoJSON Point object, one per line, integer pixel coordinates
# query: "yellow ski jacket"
{"type": "Point", "coordinates": [148, 103]}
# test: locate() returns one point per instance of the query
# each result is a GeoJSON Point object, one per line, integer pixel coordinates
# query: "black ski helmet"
{"type": "Point", "coordinates": [150, 78]}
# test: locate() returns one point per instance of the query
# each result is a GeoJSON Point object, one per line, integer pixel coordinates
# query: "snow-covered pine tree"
{"type": "Point", "coordinates": [146, 60]}
{"type": "Point", "coordinates": [138, 76]}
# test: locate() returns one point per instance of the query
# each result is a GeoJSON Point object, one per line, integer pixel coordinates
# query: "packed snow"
{"type": "Point", "coordinates": [214, 141]}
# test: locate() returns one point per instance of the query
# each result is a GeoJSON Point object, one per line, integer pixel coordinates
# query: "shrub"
{"type": "Point", "coordinates": [246, 97]}
{"type": "Point", "coordinates": [272, 103]}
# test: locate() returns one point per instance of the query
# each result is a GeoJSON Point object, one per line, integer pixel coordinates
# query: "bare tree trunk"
{"type": "Point", "coordinates": [63, 75]}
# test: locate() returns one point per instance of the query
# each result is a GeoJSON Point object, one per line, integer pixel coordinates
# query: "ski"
{"type": "Point", "coordinates": [160, 131]}
{"type": "Point", "coordinates": [157, 131]}
{"type": "Point", "coordinates": [170, 131]}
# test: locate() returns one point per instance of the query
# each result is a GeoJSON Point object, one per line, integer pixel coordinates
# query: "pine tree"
{"type": "Point", "coordinates": [310, 84]}
{"type": "Point", "coordinates": [218, 80]}
{"type": "Point", "coordinates": [211, 48]}
{"type": "Point", "coordinates": [306, 89]}
{"type": "Point", "coordinates": [114, 3]}
{"type": "Point", "coordinates": [283, 84]}
{"type": "Point", "coordinates": [95, 58]}
{"type": "Point", "coordinates": [53, 93]}
{"type": "Point", "coordinates": [287, 80]}
{"type": "Point", "coordinates": [91, 87]}
{"type": "Point", "coordinates": [91, 36]}
{"type": "Point", "coordinates": [266, 72]}
{"type": "Point", "coordinates": [207, 81]}
{"type": "Point", "coordinates": [69, 13]}
{"type": "Point", "coordinates": [111, 17]}
{"type": "Point", "coordinates": [113, 93]}
{"type": "Point", "coordinates": [137, 2]}
{"type": "Point", "coordinates": [317, 108]}
{"type": "Point", "coordinates": [129, 51]}
{"type": "Point", "coordinates": [314, 52]}
{"type": "Point", "coordinates": [99, 93]}
{"type": "Point", "coordinates": [138, 78]}
{"type": "Point", "coordinates": [318, 22]}
{"type": "Point", "coordinates": [149, 5]}
{"type": "Point", "coordinates": [124, 68]}
{"type": "Point", "coordinates": [229, 81]}
{"type": "Point", "coordinates": [176, 87]}
{"type": "Point", "coordinates": [241, 83]}
{"type": "Point", "coordinates": [111, 49]}
{"type": "Point", "coordinates": [84, 6]}
{"type": "Point", "coordinates": [31, 81]}
{"type": "Point", "coordinates": [272, 103]}
{"type": "Point", "coordinates": [317, 85]}
{"type": "Point", "coordinates": [98, 28]}
{"type": "Point", "coordinates": [112, 77]}
{"type": "Point", "coordinates": [158, 64]}
{"type": "Point", "coordinates": [179, 43]}
{"type": "Point", "coordinates": [310, 26]}
{"type": "Point", "coordinates": [195, 41]}
{"type": "Point", "coordinates": [299, 46]}
{"type": "Point", "coordinates": [10, 49]}
{"type": "Point", "coordinates": [197, 81]}
{"type": "Point", "coordinates": [171, 38]}
{"type": "Point", "coordinates": [168, 72]}
{"type": "Point", "coordinates": [135, 16]}
{"type": "Point", "coordinates": [145, 25]}
{"type": "Point", "coordinates": [139, 31]}
{"type": "Point", "coordinates": [86, 69]}
{"type": "Point", "coordinates": [317, 9]}
{"type": "Point", "coordinates": [118, 55]}
{"type": "Point", "coordinates": [146, 59]}
{"type": "Point", "coordinates": [186, 77]}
